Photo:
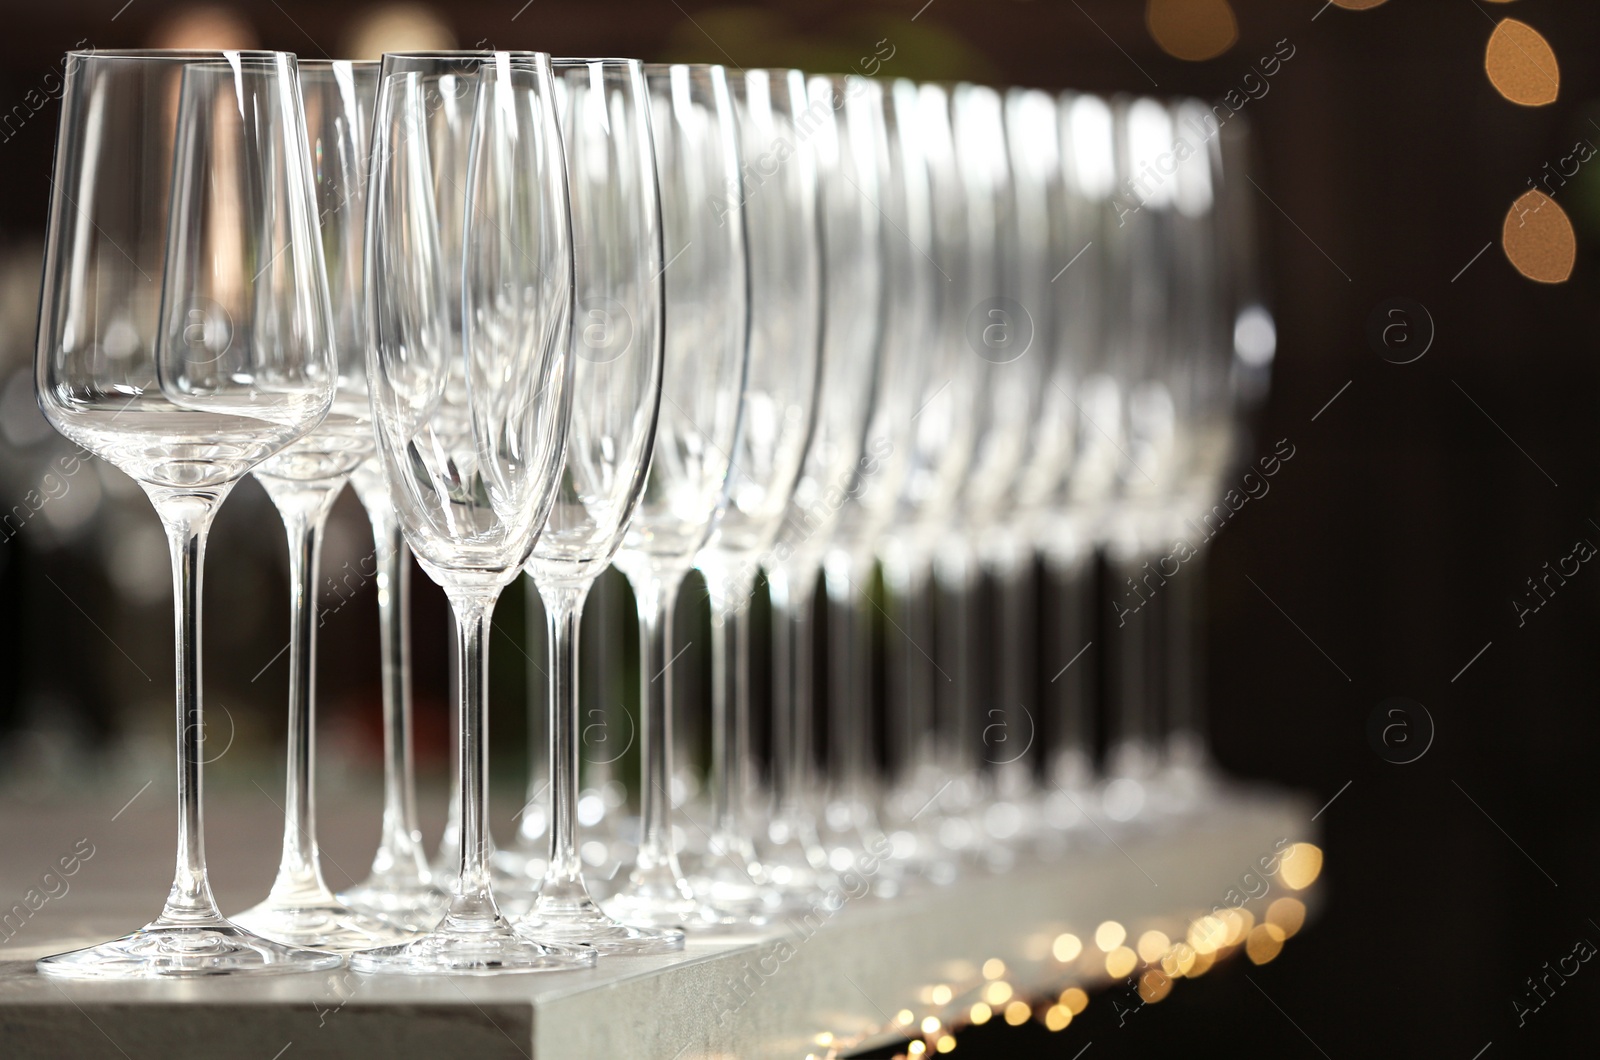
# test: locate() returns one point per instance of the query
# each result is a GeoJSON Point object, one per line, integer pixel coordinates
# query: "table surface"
{"type": "Point", "coordinates": [835, 978]}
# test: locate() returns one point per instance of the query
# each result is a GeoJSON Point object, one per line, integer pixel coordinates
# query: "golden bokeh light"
{"type": "Point", "coordinates": [1206, 934]}
{"type": "Point", "coordinates": [1538, 238]}
{"type": "Point", "coordinates": [1288, 915]}
{"type": "Point", "coordinates": [1265, 943]}
{"type": "Point", "coordinates": [997, 993]}
{"type": "Point", "coordinates": [945, 1043]}
{"type": "Point", "coordinates": [1074, 999]}
{"type": "Point", "coordinates": [1153, 986]}
{"type": "Point", "coordinates": [1301, 865]}
{"type": "Point", "coordinates": [904, 1017]}
{"type": "Point", "coordinates": [204, 26]}
{"type": "Point", "coordinates": [1521, 64]}
{"type": "Point", "coordinates": [1153, 945]}
{"type": "Point", "coordinates": [994, 968]}
{"type": "Point", "coordinates": [1018, 1013]}
{"type": "Point", "coordinates": [1358, 5]}
{"type": "Point", "coordinates": [940, 995]}
{"type": "Point", "coordinates": [980, 1014]}
{"type": "Point", "coordinates": [1179, 961]}
{"type": "Point", "coordinates": [1195, 30]}
{"type": "Point", "coordinates": [1202, 964]}
{"type": "Point", "coordinates": [1120, 962]}
{"type": "Point", "coordinates": [1109, 935]}
{"type": "Point", "coordinates": [916, 1048]}
{"type": "Point", "coordinates": [1066, 947]}
{"type": "Point", "coordinates": [930, 1025]}
{"type": "Point", "coordinates": [1057, 1017]}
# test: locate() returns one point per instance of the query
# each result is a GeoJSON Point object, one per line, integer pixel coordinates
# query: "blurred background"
{"type": "Point", "coordinates": [1396, 556]}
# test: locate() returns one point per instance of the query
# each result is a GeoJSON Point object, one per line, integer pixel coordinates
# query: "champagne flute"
{"type": "Point", "coordinates": [303, 481]}
{"type": "Point", "coordinates": [184, 336]}
{"type": "Point", "coordinates": [469, 436]}
{"type": "Point", "coordinates": [706, 353]}
{"type": "Point", "coordinates": [780, 201]}
{"type": "Point", "coordinates": [848, 131]}
{"type": "Point", "coordinates": [604, 108]}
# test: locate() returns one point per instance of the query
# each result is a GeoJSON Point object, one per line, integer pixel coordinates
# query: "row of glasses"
{"type": "Point", "coordinates": [856, 362]}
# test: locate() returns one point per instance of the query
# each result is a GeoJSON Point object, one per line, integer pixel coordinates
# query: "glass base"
{"type": "Point", "coordinates": [410, 904]}
{"type": "Point", "coordinates": [666, 905]}
{"type": "Point", "coordinates": [495, 950]}
{"type": "Point", "coordinates": [586, 924]}
{"type": "Point", "coordinates": [327, 925]}
{"type": "Point", "coordinates": [169, 951]}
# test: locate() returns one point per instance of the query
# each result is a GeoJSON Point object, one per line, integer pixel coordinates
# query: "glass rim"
{"type": "Point", "coordinates": [661, 68]}
{"type": "Point", "coordinates": [173, 54]}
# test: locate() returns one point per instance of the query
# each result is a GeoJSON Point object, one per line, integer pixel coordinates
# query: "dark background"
{"type": "Point", "coordinates": [1417, 505]}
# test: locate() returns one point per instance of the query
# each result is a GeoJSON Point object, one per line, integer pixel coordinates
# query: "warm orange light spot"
{"type": "Point", "coordinates": [1301, 864]}
{"type": "Point", "coordinates": [1074, 999]}
{"type": "Point", "coordinates": [1538, 238]}
{"type": "Point", "coordinates": [1018, 1013]}
{"type": "Point", "coordinates": [1521, 65]}
{"type": "Point", "coordinates": [1289, 914]}
{"type": "Point", "coordinates": [1357, 5]}
{"type": "Point", "coordinates": [1265, 943]}
{"type": "Point", "coordinates": [1192, 29]}
{"type": "Point", "coordinates": [1153, 986]}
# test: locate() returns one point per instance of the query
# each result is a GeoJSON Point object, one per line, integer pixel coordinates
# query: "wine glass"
{"type": "Point", "coordinates": [780, 201]}
{"type": "Point", "coordinates": [847, 135]}
{"type": "Point", "coordinates": [469, 437]}
{"type": "Point", "coordinates": [400, 887]}
{"type": "Point", "coordinates": [604, 108]}
{"type": "Point", "coordinates": [703, 374]}
{"type": "Point", "coordinates": [184, 336]}
{"type": "Point", "coordinates": [303, 481]}
{"type": "Point", "coordinates": [848, 824]}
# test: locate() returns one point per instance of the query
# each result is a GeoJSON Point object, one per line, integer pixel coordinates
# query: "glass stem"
{"type": "Point", "coordinates": [532, 824]}
{"type": "Point", "coordinates": [730, 709]}
{"type": "Point", "coordinates": [791, 686]}
{"type": "Point", "coordinates": [563, 882]}
{"type": "Point", "coordinates": [400, 851]}
{"type": "Point", "coordinates": [961, 732]}
{"type": "Point", "coordinates": [299, 871]}
{"type": "Point", "coordinates": [1134, 636]}
{"type": "Point", "coordinates": [850, 711]}
{"type": "Point", "coordinates": [658, 857]}
{"type": "Point", "coordinates": [1010, 572]}
{"type": "Point", "coordinates": [472, 901]}
{"type": "Point", "coordinates": [1071, 569]}
{"type": "Point", "coordinates": [187, 517]}
{"type": "Point", "coordinates": [910, 683]}
{"type": "Point", "coordinates": [1186, 721]}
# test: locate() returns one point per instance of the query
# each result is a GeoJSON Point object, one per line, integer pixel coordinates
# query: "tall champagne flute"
{"type": "Point", "coordinates": [848, 824]}
{"type": "Point", "coordinates": [184, 336]}
{"type": "Point", "coordinates": [1142, 290]}
{"type": "Point", "coordinates": [1093, 382]}
{"type": "Point", "coordinates": [707, 325]}
{"type": "Point", "coordinates": [604, 108]}
{"type": "Point", "coordinates": [469, 436]}
{"type": "Point", "coordinates": [303, 481]}
{"type": "Point", "coordinates": [399, 887]}
{"type": "Point", "coordinates": [779, 194]}
{"type": "Point", "coordinates": [847, 119]}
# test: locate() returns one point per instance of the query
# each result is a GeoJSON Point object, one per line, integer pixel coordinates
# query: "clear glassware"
{"type": "Point", "coordinates": [303, 481]}
{"type": "Point", "coordinates": [617, 346]}
{"type": "Point", "coordinates": [780, 200]}
{"type": "Point", "coordinates": [184, 336]}
{"type": "Point", "coordinates": [1083, 426]}
{"type": "Point", "coordinates": [470, 436]}
{"type": "Point", "coordinates": [1141, 298]}
{"type": "Point", "coordinates": [703, 375]}
{"type": "Point", "coordinates": [400, 886]}
{"type": "Point", "coordinates": [848, 824]}
{"type": "Point", "coordinates": [847, 134]}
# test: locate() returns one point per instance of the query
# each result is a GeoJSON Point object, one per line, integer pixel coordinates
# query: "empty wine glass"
{"type": "Point", "coordinates": [707, 323]}
{"type": "Point", "coordinates": [303, 481]}
{"type": "Point", "coordinates": [400, 887]}
{"type": "Point", "coordinates": [846, 118]}
{"type": "Point", "coordinates": [470, 436]}
{"type": "Point", "coordinates": [779, 197]}
{"type": "Point", "coordinates": [604, 108]}
{"type": "Point", "coordinates": [906, 381]}
{"type": "Point", "coordinates": [184, 336]}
